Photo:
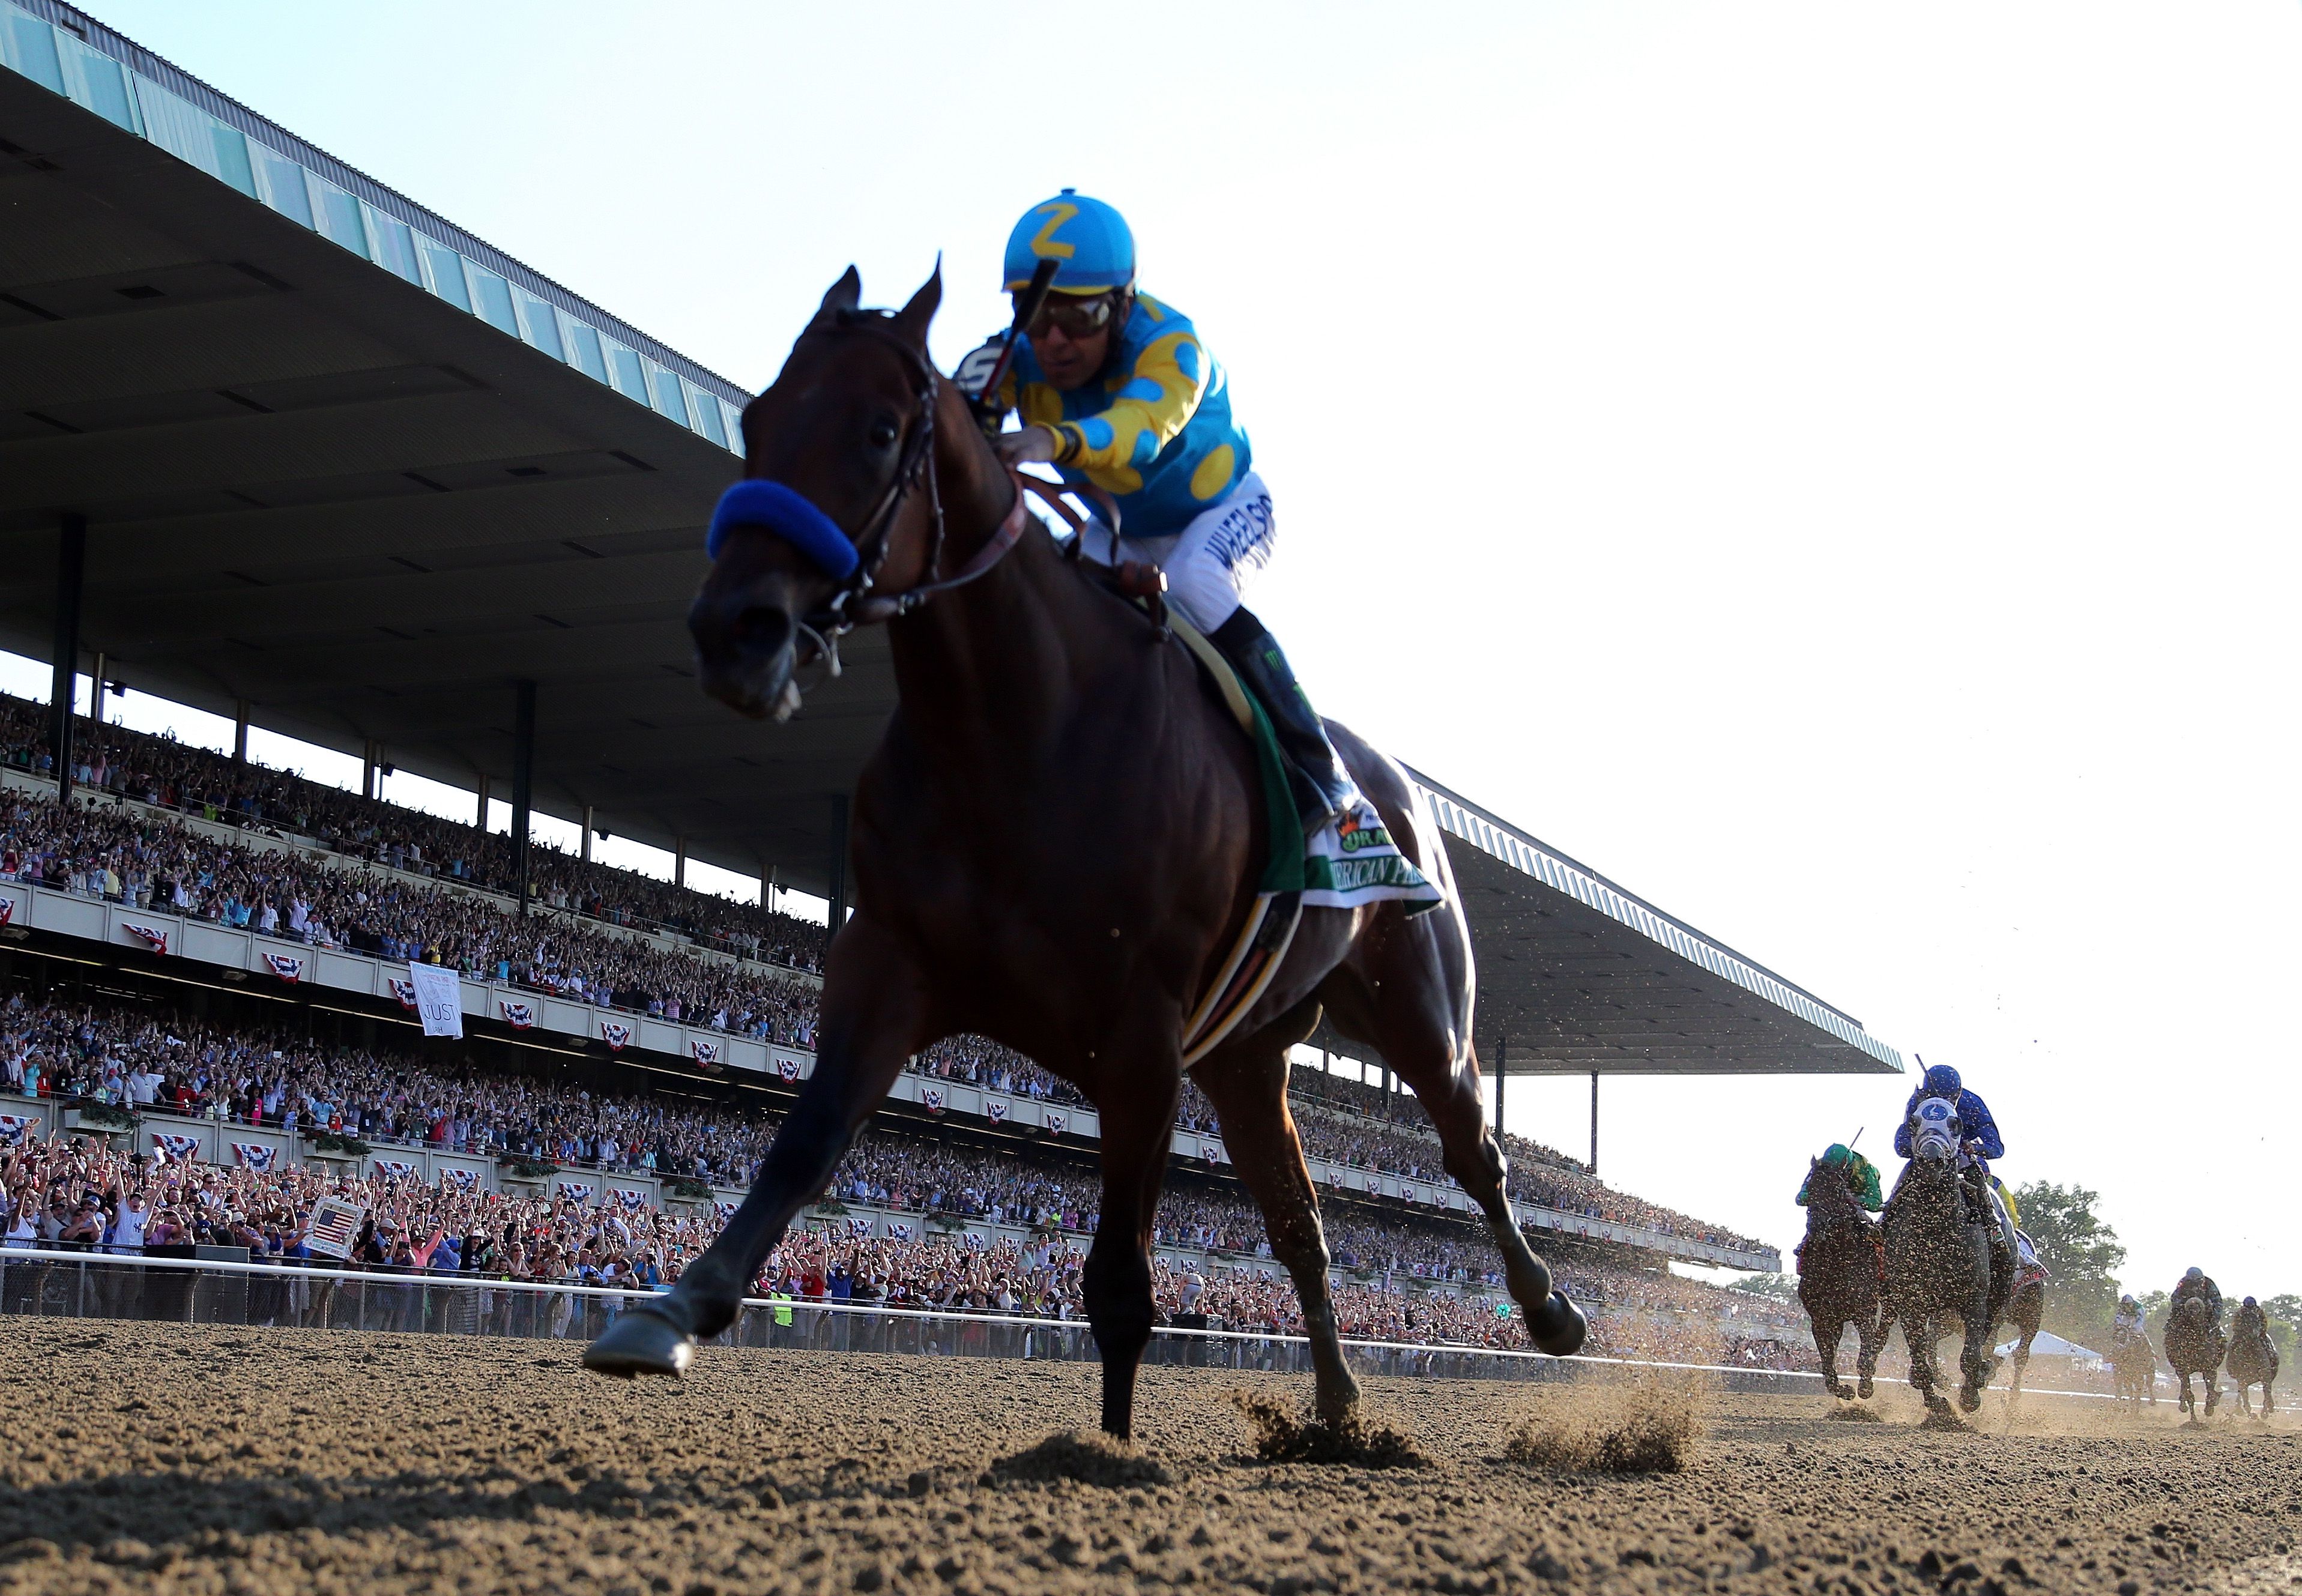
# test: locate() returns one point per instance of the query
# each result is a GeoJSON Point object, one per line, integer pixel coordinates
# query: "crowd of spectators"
{"type": "Point", "coordinates": [64, 1193]}
{"type": "Point", "coordinates": [198, 781]}
{"type": "Point", "coordinates": [143, 860]}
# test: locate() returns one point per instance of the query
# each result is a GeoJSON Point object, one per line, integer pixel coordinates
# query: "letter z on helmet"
{"type": "Point", "coordinates": [1088, 238]}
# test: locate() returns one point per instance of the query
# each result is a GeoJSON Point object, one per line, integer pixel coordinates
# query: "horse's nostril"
{"type": "Point", "coordinates": [762, 631]}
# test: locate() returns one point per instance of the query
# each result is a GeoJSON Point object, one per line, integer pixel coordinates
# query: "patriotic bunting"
{"type": "Point", "coordinates": [287, 967]}
{"type": "Point", "coordinates": [707, 1053]}
{"type": "Point", "coordinates": [395, 1169]}
{"type": "Point", "coordinates": [460, 1180]}
{"type": "Point", "coordinates": [997, 1109]}
{"type": "Point", "coordinates": [723, 1208]}
{"type": "Point", "coordinates": [632, 1198]}
{"type": "Point", "coordinates": [519, 1016]}
{"type": "Point", "coordinates": [405, 991]}
{"type": "Point", "coordinates": [1212, 1151]}
{"type": "Point", "coordinates": [175, 1149]}
{"type": "Point", "coordinates": [788, 1067]}
{"type": "Point", "coordinates": [153, 938]}
{"type": "Point", "coordinates": [857, 1225]}
{"type": "Point", "coordinates": [7, 910]}
{"type": "Point", "coordinates": [577, 1191]}
{"type": "Point", "coordinates": [1055, 1124]}
{"type": "Point", "coordinates": [932, 1098]}
{"type": "Point", "coordinates": [897, 1231]}
{"type": "Point", "coordinates": [616, 1036]}
{"type": "Point", "coordinates": [15, 1127]}
{"type": "Point", "coordinates": [257, 1155]}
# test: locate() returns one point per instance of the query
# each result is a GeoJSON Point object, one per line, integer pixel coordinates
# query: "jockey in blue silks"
{"type": "Point", "coordinates": [1979, 1143]}
{"type": "Point", "coordinates": [1117, 390]}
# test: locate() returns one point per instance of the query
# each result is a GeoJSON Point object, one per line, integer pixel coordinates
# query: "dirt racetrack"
{"type": "Point", "coordinates": [166, 1457]}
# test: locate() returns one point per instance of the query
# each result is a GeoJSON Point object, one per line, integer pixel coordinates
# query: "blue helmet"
{"type": "Point", "coordinates": [1942, 1080]}
{"type": "Point", "coordinates": [1087, 236]}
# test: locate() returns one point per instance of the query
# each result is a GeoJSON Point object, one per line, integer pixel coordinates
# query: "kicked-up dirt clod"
{"type": "Point", "coordinates": [170, 1459]}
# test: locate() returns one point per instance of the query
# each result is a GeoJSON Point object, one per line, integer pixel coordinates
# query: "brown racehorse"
{"type": "Point", "coordinates": [2253, 1358]}
{"type": "Point", "coordinates": [1842, 1277]}
{"type": "Point", "coordinates": [2025, 1310]}
{"type": "Point", "coordinates": [1055, 845]}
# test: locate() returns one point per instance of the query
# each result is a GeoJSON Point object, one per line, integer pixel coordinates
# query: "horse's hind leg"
{"type": "Point", "coordinates": [1830, 1330]}
{"type": "Point", "coordinates": [1248, 1085]}
{"type": "Point", "coordinates": [874, 1006]}
{"type": "Point", "coordinates": [1871, 1337]}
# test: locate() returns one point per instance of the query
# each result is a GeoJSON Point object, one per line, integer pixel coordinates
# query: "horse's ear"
{"type": "Point", "coordinates": [844, 295]}
{"type": "Point", "coordinates": [912, 320]}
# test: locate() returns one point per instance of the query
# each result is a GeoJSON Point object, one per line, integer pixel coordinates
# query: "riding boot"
{"type": "Point", "coordinates": [1323, 786]}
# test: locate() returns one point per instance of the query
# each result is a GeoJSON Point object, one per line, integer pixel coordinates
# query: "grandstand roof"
{"type": "Point", "coordinates": [346, 463]}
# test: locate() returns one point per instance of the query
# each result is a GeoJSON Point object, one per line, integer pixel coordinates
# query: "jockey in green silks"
{"type": "Point", "coordinates": [1861, 1175]}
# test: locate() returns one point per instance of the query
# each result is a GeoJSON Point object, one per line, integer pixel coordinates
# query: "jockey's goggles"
{"type": "Point", "coordinates": [1076, 315]}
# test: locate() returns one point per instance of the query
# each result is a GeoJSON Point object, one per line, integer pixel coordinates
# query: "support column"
{"type": "Point", "coordinates": [96, 688]}
{"type": "Point", "coordinates": [240, 731]}
{"type": "Point", "coordinates": [71, 565]}
{"type": "Point", "coordinates": [587, 834]}
{"type": "Point", "coordinates": [522, 777]}
{"type": "Point", "coordinates": [487, 792]}
{"type": "Point", "coordinates": [367, 767]}
{"type": "Point", "coordinates": [1594, 1121]}
{"type": "Point", "coordinates": [767, 889]}
{"type": "Point", "coordinates": [839, 861]}
{"type": "Point", "coordinates": [1502, 1073]}
{"type": "Point", "coordinates": [679, 861]}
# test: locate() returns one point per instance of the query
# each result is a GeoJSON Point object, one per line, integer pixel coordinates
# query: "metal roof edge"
{"type": "Point", "coordinates": [222, 106]}
{"type": "Point", "coordinates": [1513, 847]}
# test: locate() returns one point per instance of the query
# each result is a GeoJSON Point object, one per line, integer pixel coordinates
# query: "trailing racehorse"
{"type": "Point", "coordinates": [1056, 846]}
{"type": "Point", "coordinates": [1841, 1281]}
{"type": "Point", "coordinates": [2194, 1344]}
{"type": "Point", "coordinates": [2253, 1359]}
{"type": "Point", "coordinates": [2025, 1308]}
{"type": "Point", "coordinates": [2134, 1367]}
{"type": "Point", "coordinates": [1938, 1272]}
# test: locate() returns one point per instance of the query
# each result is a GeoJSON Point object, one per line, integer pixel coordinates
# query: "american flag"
{"type": "Point", "coordinates": [616, 1036]}
{"type": "Point", "coordinates": [287, 967]}
{"type": "Point", "coordinates": [256, 1154]}
{"type": "Point", "coordinates": [519, 1016]}
{"type": "Point", "coordinates": [158, 940]}
{"type": "Point", "coordinates": [335, 1225]}
{"type": "Point", "coordinates": [175, 1149]}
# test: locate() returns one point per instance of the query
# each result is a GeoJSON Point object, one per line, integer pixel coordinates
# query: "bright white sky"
{"type": "Point", "coordinates": [1830, 467]}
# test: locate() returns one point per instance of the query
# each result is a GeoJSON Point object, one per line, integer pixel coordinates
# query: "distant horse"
{"type": "Point", "coordinates": [2194, 1344]}
{"type": "Point", "coordinates": [1939, 1272]}
{"type": "Point", "coordinates": [2134, 1367]}
{"type": "Point", "coordinates": [2024, 1310]}
{"type": "Point", "coordinates": [1839, 1278]}
{"type": "Point", "coordinates": [1056, 846]}
{"type": "Point", "coordinates": [2253, 1358]}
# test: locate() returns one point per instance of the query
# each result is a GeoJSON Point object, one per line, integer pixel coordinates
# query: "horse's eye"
{"type": "Point", "coordinates": [884, 432]}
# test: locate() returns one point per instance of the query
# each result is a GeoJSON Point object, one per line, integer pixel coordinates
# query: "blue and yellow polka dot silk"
{"type": "Point", "coordinates": [1155, 432]}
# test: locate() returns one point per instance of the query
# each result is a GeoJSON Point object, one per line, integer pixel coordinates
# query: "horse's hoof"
{"type": "Point", "coordinates": [1558, 1327]}
{"type": "Point", "coordinates": [1864, 1387]}
{"type": "Point", "coordinates": [1969, 1400]}
{"type": "Point", "coordinates": [641, 1341]}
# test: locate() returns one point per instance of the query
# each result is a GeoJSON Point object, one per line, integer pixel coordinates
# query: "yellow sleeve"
{"type": "Point", "coordinates": [1156, 403]}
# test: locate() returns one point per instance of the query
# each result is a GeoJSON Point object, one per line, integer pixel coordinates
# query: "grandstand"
{"type": "Point", "coordinates": [280, 443]}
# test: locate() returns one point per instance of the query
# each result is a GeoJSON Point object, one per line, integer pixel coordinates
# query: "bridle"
{"type": "Point", "coordinates": [856, 602]}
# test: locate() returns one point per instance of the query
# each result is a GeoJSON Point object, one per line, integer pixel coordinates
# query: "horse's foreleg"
{"type": "Point", "coordinates": [874, 1013]}
{"type": "Point", "coordinates": [1137, 1102]}
{"type": "Point", "coordinates": [1248, 1088]}
{"type": "Point", "coordinates": [1871, 1337]}
{"type": "Point", "coordinates": [1830, 1330]}
{"type": "Point", "coordinates": [1919, 1340]}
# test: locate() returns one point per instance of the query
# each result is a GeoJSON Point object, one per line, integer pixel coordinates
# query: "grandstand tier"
{"type": "Point", "coordinates": [284, 445]}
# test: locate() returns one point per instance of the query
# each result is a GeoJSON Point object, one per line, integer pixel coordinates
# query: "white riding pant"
{"type": "Point", "coordinates": [1210, 562]}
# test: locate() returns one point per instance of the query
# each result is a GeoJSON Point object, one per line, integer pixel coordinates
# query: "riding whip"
{"type": "Point", "coordinates": [985, 404]}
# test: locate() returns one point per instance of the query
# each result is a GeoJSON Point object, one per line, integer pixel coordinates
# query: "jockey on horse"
{"type": "Point", "coordinates": [1118, 392]}
{"type": "Point", "coordinates": [1862, 1177]}
{"type": "Point", "coordinates": [2196, 1283]}
{"type": "Point", "coordinates": [1979, 1142]}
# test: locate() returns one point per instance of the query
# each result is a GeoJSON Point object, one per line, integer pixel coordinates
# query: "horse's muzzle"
{"type": "Point", "coordinates": [746, 649]}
